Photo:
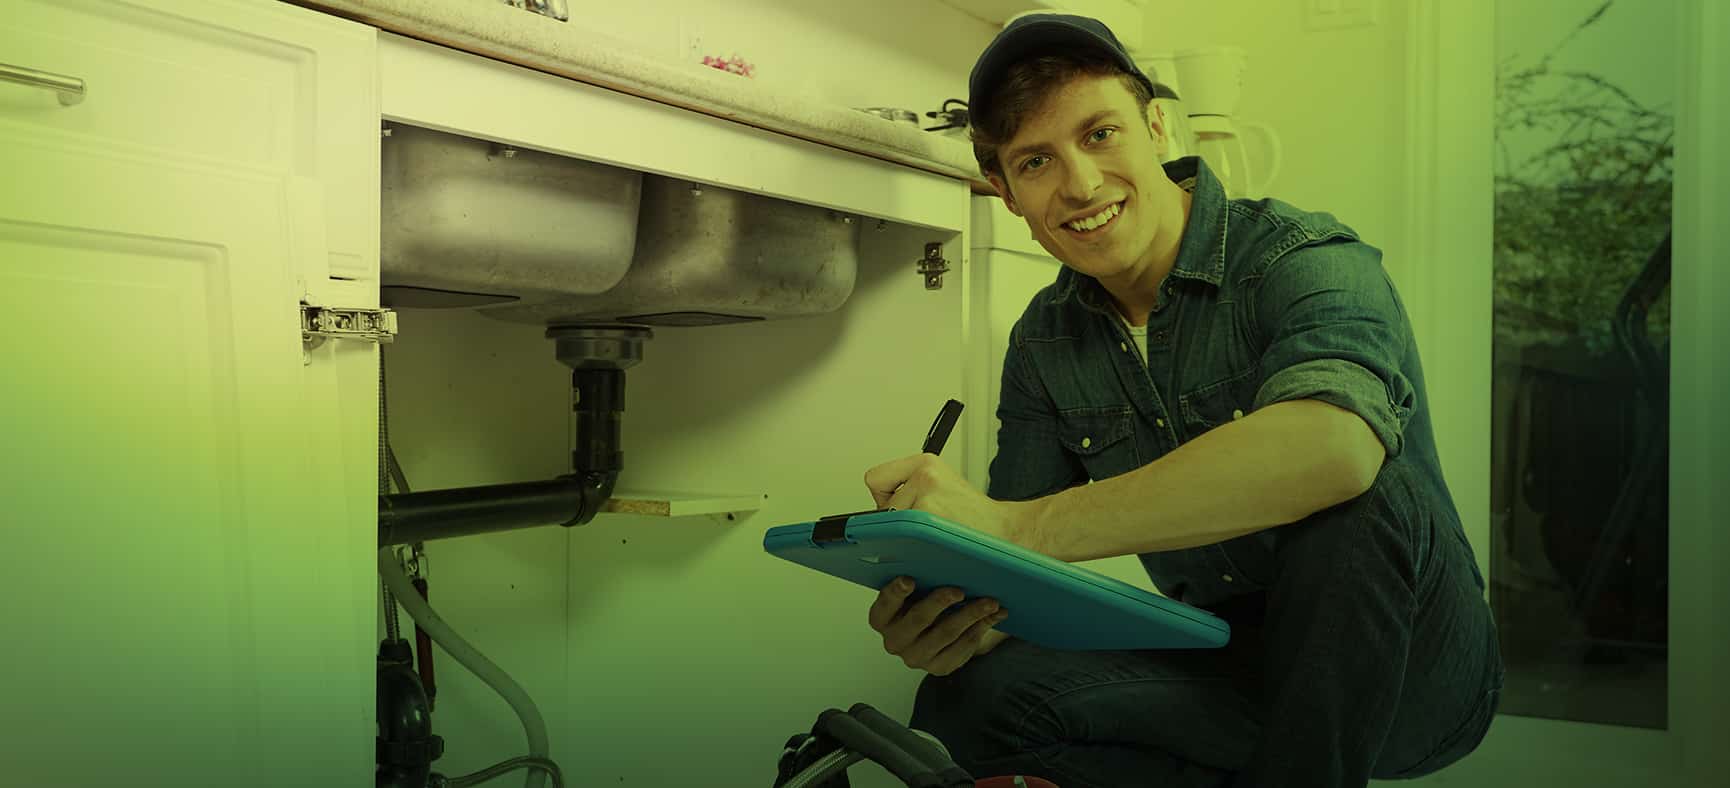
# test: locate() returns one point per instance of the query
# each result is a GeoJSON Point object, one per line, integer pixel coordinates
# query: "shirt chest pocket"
{"type": "Point", "coordinates": [1217, 403]}
{"type": "Point", "coordinates": [1102, 438]}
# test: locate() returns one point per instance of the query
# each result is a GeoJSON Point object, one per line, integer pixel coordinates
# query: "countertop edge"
{"type": "Point", "coordinates": [532, 41]}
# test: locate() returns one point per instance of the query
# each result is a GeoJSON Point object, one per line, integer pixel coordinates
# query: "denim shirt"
{"type": "Point", "coordinates": [1265, 303]}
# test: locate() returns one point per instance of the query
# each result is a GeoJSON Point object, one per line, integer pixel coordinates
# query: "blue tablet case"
{"type": "Point", "coordinates": [1050, 603]}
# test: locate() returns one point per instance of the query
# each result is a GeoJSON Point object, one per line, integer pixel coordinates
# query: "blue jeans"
{"type": "Point", "coordinates": [1368, 652]}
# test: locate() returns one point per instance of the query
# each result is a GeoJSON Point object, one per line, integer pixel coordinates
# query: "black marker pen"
{"type": "Point", "coordinates": [938, 435]}
{"type": "Point", "coordinates": [940, 428]}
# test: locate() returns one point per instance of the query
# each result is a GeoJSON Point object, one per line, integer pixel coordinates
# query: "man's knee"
{"type": "Point", "coordinates": [958, 709]}
{"type": "Point", "coordinates": [979, 712]}
{"type": "Point", "coordinates": [1380, 528]}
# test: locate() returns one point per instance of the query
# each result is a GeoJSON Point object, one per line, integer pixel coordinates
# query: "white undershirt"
{"type": "Point", "coordinates": [1137, 334]}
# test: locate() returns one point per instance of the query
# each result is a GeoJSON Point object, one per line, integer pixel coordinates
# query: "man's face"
{"type": "Point", "coordinates": [1084, 172]}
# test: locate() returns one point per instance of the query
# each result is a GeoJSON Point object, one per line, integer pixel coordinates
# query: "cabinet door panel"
{"type": "Point", "coordinates": [254, 85]}
{"type": "Point", "coordinates": [185, 500]}
{"type": "Point", "coordinates": [157, 536]}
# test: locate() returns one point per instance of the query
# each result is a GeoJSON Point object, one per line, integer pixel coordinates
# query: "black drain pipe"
{"type": "Point", "coordinates": [406, 746]}
{"type": "Point", "coordinates": [598, 355]}
{"type": "Point", "coordinates": [442, 514]}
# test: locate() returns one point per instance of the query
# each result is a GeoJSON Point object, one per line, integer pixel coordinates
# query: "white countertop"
{"type": "Point", "coordinates": [495, 30]}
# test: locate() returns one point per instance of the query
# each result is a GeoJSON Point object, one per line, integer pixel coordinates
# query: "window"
{"type": "Point", "coordinates": [1579, 494]}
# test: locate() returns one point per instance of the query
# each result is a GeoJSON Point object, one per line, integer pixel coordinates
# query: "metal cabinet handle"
{"type": "Point", "coordinates": [69, 89]}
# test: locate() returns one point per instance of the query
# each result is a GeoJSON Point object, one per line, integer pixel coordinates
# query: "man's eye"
{"type": "Point", "coordinates": [1033, 163]}
{"type": "Point", "coordinates": [1099, 135]}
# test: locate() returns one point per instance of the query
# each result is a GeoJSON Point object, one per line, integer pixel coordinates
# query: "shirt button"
{"type": "Point", "coordinates": [1160, 422]}
{"type": "Point", "coordinates": [1159, 336]}
{"type": "Point", "coordinates": [1236, 414]}
{"type": "Point", "coordinates": [1226, 578]}
{"type": "Point", "coordinates": [1123, 346]}
{"type": "Point", "coordinates": [1086, 442]}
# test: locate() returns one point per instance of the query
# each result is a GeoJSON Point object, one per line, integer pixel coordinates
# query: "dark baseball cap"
{"type": "Point", "coordinates": [1039, 34]}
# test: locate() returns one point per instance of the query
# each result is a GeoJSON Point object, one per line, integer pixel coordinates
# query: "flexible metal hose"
{"type": "Point", "coordinates": [834, 763]}
{"type": "Point", "coordinates": [825, 768]}
{"type": "Point", "coordinates": [503, 768]}
{"type": "Point", "coordinates": [534, 725]}
{"type": "Point", "coordinates": [391, 629]}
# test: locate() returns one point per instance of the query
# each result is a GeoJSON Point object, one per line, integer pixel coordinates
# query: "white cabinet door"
{"type": "Point", "coordinates": [183, 547]}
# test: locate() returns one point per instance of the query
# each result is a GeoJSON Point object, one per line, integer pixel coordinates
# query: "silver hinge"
{"type": "Point", "coordinates": [318, 323]}
{"type": "Point", "coordinates": [932, 266]}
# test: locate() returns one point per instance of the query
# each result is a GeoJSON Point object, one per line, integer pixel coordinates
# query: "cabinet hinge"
{"type": "Point", "coordinates": [318, 323]}
{"type": "Point", "coordinates": [932, 266]}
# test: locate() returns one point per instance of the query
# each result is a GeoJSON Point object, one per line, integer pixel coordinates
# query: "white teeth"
{"type": "Point", "coordinates": [1091, 222]}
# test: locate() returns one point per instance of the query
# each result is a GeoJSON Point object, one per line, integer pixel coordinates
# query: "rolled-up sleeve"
{"type": "Point", "coordinates": [1030, 461]}
{"type": "Point", "coordinates": [1335, 331]}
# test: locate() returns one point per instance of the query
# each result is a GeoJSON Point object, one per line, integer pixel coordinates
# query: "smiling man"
{"type": "Point", "coordinates": [1239, 379]}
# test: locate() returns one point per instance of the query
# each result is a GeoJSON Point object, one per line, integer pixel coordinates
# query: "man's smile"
{"type": "Point", "coordinates": [1097, 224]}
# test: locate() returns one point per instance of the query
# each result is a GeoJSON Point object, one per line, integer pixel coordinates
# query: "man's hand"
{"type": "Point", "coordinates": [927, 639]}
{"type": "Point", "coordinates": [924, 482]}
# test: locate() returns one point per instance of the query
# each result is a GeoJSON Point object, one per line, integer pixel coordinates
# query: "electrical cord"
{"type": "Point", "coordinates": [385, 460]}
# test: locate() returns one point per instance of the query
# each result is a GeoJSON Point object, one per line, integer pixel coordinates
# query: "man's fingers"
{"type": "Point", "coordinates": [923, 635]}
{"type": "Point", "coordinates": [881, 497]}
{"type": "Point", "coordinates": [950, 628]}
{"type": "Point", "coordinates": [888, 602]}
{"type": "Point", "coordinates": [964, 648]}
{"type": "Point", "coordinates": [884, 479]}
{"type": "Point", "coordinates": [903, 499]}
{"type": "Point", "coordinates": [926, 611]}
{"type": "Point", "coordinates": [905, 636]}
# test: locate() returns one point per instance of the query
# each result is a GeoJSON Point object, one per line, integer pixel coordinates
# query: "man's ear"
{"type": "Point", "coordinates": [1156, 128]}
{"type": "Point", "coordinates": [1002, 188]}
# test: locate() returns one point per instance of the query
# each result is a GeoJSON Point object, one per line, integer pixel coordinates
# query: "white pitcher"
{"type": "Point", "coordinates": [1220, 142]}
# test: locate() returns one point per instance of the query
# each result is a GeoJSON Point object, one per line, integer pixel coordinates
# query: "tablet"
{"type": "Point", "coordinates": [1051, 603]}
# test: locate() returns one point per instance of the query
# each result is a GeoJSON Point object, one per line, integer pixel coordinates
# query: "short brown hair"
{"type": "Point", "coordinates": [1026, 84]}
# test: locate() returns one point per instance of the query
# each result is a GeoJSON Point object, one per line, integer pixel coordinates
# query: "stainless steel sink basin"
{"type": "Point", "coordinates": [536, 238]}
{"type": "Point", "coordinates": [468, 222]}
{"type": "Point", "coordinates": [708, 255]}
